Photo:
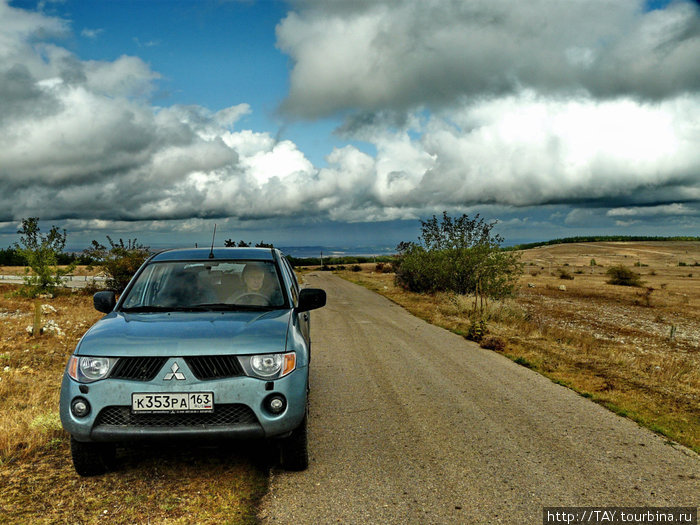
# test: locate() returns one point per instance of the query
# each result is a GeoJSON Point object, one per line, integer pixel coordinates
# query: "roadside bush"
{"type": "Point", "coordinates": [120, 262]}
{"type": "Point", "coordinates": [459, 255]}
{"type": "Point", "coordinates": [356, 268]}
{"type": "Point", "coordinates": [623, 276]}
{"type": "Point", "coordinates": [493, 343]}
{"type": "Point", "coordinates": [477, 330]}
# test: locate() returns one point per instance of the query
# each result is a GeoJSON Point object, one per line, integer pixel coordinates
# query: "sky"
{"type": "Point", "coordinates": [344, 123]}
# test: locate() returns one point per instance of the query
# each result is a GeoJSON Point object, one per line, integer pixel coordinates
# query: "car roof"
{"type": "Point", "coordinates": [203, 254]}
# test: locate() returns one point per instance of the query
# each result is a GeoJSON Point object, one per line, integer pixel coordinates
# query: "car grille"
{"type": "Point", "coordinates": [137, 368]}
{"type": "Point", "coordinates": [223, 415]}
{"type": "Point", "coordinates": [203, 367]}
{"type": "Point", "coordinates": [214, 367]}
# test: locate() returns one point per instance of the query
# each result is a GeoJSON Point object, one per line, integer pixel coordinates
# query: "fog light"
{"type": "Point", "coordinates": [276, 404]}
{"type": "Point", "coordinates": [80, 407]}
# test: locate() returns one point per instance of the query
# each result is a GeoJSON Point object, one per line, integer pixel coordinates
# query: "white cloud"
{"type": "Point", "coordinates": [626, 224]}
{"type": "Point", "coordinates": [127, 76]}
{"type": "Point", "coordinates": [524, 150]}
{"type": "Point", "coordinates": [653, 211]}
{"type": "Point", "coordinates": [91, 33]}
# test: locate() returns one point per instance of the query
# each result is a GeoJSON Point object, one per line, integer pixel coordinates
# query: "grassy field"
{"type": "Point", "coordinates": [217, 484]}
{"type": "Point", "coordinates": [635, 350]}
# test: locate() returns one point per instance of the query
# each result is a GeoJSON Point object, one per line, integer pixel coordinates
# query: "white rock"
{"type": "Point", "coordinates": [52, 328]}
{"type": "Point", "coordinates": [562, 287]}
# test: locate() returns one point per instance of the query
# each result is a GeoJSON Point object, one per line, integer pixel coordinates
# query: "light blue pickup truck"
{"type": "Point", "coordinates": [202, 344]}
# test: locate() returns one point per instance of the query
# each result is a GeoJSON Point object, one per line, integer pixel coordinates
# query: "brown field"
{"type": "Point", "coordinates": [151, 485]}
{"type": "Point", "coordinates": [20, 270]}
{"type": "Point", "coordinates": [635, 350]}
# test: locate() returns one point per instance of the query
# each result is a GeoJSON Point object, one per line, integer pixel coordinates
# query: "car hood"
{"type": "Point", "coordinates": [186, 333]}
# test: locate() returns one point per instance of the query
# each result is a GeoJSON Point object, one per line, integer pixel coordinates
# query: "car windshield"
{"type": "Point", "coordinates": [205, 286]}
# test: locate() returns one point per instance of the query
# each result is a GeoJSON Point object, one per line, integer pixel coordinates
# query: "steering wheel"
{"type": "Point", "coordinates": [264, 298]}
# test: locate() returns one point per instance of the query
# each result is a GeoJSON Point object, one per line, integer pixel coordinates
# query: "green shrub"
{"type": "Point", "coordinates": [623, 276]}
{"type": "Point", "coordinates": [356, 268]}
{"type": "Point", "coordinates": [477, 330]}
{"type": "Point", "coordinates": [120, 262]}
{"type": "Point", "coordinates": [459, 255]}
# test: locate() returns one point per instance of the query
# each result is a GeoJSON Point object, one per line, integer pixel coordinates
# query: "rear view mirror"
{"type": "Point", "coordinates": [310, 299]}
{"type": "Point", "coordinates": [104, 301]}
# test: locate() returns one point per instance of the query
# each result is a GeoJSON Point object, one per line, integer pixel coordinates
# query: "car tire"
{"type": "Point", "coordinates": [294, 450]}
{"type": "Point", "coordinates": [92, 459]}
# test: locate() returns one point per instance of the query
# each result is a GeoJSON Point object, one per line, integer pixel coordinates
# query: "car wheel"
{"type": "Point", "coordinates": [294, 450]}
{"type": "Point", "coordinates": [92, 459]}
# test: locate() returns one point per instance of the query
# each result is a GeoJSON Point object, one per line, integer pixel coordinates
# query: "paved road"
{"type": "Point", "coordinates": [410, 424]}
{"type": "Point", "coordinates": [71, 281]}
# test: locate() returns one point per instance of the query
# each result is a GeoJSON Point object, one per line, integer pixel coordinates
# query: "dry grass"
{"type": "Point", "coordinates": [634, 350]}
{"type": "Point", "coordinates": [151, 485]}
{"type": "Point", "coordinates": [31, 369]}
{"type": "Point", "coordinates": [21, 270]}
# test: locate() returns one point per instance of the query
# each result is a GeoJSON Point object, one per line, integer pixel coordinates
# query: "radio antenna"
{"type": "Point", "coordinates": [211, 253]}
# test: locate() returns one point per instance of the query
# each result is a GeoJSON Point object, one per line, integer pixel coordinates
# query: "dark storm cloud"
{"type": "Point", "coordinates": [20, 96]}
{"type": "Point", "coordinates": [405, 54]}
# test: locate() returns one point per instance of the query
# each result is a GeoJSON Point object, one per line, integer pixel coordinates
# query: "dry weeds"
{"type": "Point", "coordinates": [634, 350]}
{"type": "Point", "coordinates": [31, 369]}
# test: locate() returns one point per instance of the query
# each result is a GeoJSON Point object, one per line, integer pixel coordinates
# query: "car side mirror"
{"type": "Point", "coordinates": [104, 301]}
{"type": "Point", "coordinates": [310, 299]}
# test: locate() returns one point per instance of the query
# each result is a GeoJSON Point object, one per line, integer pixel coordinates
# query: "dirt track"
{"type": "Point", "coordinates": [412, 424]}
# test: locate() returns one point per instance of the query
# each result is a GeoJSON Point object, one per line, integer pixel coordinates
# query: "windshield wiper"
{"type": "Point", "coordinates": [149, 308]}
{"type": "Point", "coordinates": [158, 308]}
{"type": "Point", "coordinates": [214, 306]}
{"type": "Point", "coordinates": [226, 307]}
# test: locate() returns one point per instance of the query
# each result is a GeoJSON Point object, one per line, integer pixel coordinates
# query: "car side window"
{"type": "Point", "coordinates": [294, 288]}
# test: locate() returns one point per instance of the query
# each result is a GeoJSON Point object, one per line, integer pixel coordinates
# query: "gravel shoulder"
{"type": "Point", "coordinates": [410, 423]}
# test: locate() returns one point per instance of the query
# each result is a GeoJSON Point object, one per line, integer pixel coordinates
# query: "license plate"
{"type": "Point", "coordinates": [171, 403]}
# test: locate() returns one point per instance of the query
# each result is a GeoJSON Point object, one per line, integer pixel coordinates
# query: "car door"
{"type": "Point", "coordinates": [303, 318]}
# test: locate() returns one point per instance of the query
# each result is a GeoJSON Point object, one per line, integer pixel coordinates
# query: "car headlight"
{"type": "Point", "coordinates": [269, 366]}
{"type": "Point", "coordinates": [89, 369]}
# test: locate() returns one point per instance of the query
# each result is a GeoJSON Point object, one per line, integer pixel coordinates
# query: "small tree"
{"type": "Point", "coordinates": [461, 255]}
{"type": "Point", "coordinates": [41, 253]}
{"type": "Point", "coordinates": [120, 262]}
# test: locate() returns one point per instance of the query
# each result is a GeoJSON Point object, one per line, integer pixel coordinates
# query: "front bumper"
{"type": "Point", "coordinates": [110, 417]}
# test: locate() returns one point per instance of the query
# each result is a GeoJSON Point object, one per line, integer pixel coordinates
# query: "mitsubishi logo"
{"type": "Point", "coordinates": [174, 373]}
